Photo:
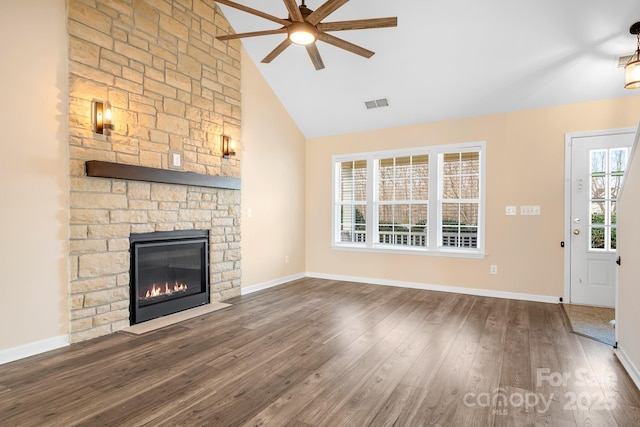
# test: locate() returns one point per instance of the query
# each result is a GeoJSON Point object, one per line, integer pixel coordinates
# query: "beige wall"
{"type": "Point", "coordinates": [272, 172]}
{"type": "Point", "coordinates": [627, 315]}
{"type": "Point", "coordinates": [525, 166]}
{"type": "Point", "coordinates": [33, 172]}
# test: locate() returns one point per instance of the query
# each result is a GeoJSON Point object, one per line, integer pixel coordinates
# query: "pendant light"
{"type": "Point", "coordinates": [632, 69]}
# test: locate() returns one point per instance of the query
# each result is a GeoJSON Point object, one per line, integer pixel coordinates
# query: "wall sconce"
{"type": "Point", "coordinates": [632, 69]}
{"type": "Point", "coordinates": [228, 147]}
{"type": "Point", "coordinates": [102, 118]}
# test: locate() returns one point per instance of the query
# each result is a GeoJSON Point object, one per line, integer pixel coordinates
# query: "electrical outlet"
{"type": "Point", "coordinates": [249, 212]}
{"type": "Point", "coordinates": [286, 259]}
{"type": "Point", "coordinates": [510, 210]}
{"type": "Point", "coordinates": [494, 269]}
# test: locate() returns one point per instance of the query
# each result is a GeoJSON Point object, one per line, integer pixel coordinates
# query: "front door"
{"type": "Point", "coordinates": [598, 161]}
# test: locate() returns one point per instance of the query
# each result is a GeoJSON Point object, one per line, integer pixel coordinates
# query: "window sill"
{"type": "Point", "coordinates": [382, 249]}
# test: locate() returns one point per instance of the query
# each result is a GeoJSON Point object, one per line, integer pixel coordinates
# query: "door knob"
{"type": "Point", "coordinates": [576, 231]}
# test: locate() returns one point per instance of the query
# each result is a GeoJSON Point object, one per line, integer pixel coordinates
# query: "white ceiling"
{"type": "Point", "coordinates": [447, 59]}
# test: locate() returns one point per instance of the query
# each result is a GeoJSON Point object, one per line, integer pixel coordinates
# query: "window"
{"type": "Point", "coordinates": [352, 201]}
{"type": "Point", "coordinates": [402, 200]}
{"type": "Point", "coordinates": [424, 200]}
{"type": "Point", "coordinates": [459, 196]}
{"type": "Point", "coordinates": [607, 170]}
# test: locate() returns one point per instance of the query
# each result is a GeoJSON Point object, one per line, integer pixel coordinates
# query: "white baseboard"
{"type": "Point", "coordinates": [441, 288]}
{"type": "Point", "coordinates": [31, 349]}
{"type": "Point", "coordinates": [271, 284]}
{"type": "Point", "coordinates": [628, 365]}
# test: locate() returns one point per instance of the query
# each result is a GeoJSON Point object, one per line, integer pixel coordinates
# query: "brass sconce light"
{"type": "Point", "coordinates": [102, 117]}
{"type": "Point", "coordinates": [632, 69]}
{"type": "Point", "coordinates": [228, 147]}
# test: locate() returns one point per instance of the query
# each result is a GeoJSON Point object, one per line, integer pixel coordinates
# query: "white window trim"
{"type": "Point", "coordinates": [433, 202]}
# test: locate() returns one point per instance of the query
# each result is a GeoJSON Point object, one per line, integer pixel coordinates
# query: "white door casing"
{"type": "Point", "coordinates": [595, 164]}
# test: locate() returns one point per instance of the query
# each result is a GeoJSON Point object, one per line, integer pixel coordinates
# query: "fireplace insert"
{"type": "Point", "coordinates": [169, 272]}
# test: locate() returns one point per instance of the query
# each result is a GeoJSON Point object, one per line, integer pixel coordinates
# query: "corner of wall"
{"type": "Point", "coordinates": [273, 192]}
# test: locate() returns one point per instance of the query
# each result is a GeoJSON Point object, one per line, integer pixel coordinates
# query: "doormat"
{"type": "Point", "coordinates": [172, 319]}
{"type": "Point", "coordinates": [592, 322]}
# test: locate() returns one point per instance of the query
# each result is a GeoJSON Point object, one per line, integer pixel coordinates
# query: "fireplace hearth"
{"type": "Point", "coordinates": [169, 272]}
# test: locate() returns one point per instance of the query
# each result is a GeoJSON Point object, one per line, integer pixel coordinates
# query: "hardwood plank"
{"type": "Point", "coordinates": [253, 389]}
{"type": "Point", "coordinates": [250, 385]}
{"type": "Point", "coordinates": [610, 373]}
{"type": "Point", "coordinates": [444, 393]}
{"type": "Point", "coordinates": [516, 366]}
{"type": "Point", "coordinates": [545, 357]}
{"type": "Point", "coordinates": [485, 369]}
{"type": "Point", "coordinates": [422, 374]}
{"type": "Point", "coordinates": [362, 343]}
{"type": "Point", "coordinates": [318, 352]}
{"type": "Point", "coordinates": [362, 402]}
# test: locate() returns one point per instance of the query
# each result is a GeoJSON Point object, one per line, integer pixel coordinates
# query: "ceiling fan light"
{"type": "Point", "coordinates": [632, 74]}
{"type": "Point", "coordinates": [302, 33]}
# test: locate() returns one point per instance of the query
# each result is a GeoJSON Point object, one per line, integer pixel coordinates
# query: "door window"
{"type": "Point", "coordinates": [606, 170]}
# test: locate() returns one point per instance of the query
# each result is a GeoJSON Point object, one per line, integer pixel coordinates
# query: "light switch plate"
{"type": "Point", "coordinates": [175, 160]}
{"type": "Point", "coordinates": [530, 210]}
{"type": "Point", "coordinates": [510, 210]}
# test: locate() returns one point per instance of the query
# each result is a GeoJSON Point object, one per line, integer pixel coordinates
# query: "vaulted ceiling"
{"type": "Point", "coordinates": [447, 59]}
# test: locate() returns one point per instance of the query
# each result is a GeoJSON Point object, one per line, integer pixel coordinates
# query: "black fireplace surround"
{"type": "Point", "coordinates": [169, 272]}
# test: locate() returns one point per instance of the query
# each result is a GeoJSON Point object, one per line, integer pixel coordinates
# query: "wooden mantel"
{"type": "Point", "coordinates": [100, 169]}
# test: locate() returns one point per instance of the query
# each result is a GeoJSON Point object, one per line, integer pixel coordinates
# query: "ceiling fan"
{"type": "Point", "coordinates": [303, 27]}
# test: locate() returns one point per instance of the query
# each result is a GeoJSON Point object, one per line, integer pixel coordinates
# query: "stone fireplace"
{"type": "Point", "coordinates": [175, 91]}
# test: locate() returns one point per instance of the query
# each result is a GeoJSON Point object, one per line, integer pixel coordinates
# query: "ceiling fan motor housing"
{"type": "Point", "coordinates": [305, 11]}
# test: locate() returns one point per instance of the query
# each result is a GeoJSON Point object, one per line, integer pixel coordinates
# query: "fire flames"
{"type": "Point", "coordinates": [168, 290]}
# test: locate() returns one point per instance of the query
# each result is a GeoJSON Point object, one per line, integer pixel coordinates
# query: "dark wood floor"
{"type": "Point", "coordinates": [326, 353]}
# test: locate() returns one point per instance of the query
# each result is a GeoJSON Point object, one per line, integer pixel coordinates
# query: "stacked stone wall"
{"type": "Point", "coordinates": [174, 90]}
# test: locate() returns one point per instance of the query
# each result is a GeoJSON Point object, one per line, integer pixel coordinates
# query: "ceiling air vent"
{"type": "Point", "coordinates": [378, 103]}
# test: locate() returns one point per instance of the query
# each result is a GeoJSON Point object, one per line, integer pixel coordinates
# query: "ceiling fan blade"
{"type": "Point", "coordinates": [314, 54]}
{"type": "Point", "coordinates": [325, 10]}
{"type": "Point", "coordinates": [343, 44]}
{"type": "Point", "coordinates": [358, 24]}
{"type": "Point", "coordinates": [252, 34]}
{"type": "Point", "coordinates": [254, 12]}
{"type": "Point", "coordinates": [294, 10]}
{"type": "Point", "coordinates": [277, 51]}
